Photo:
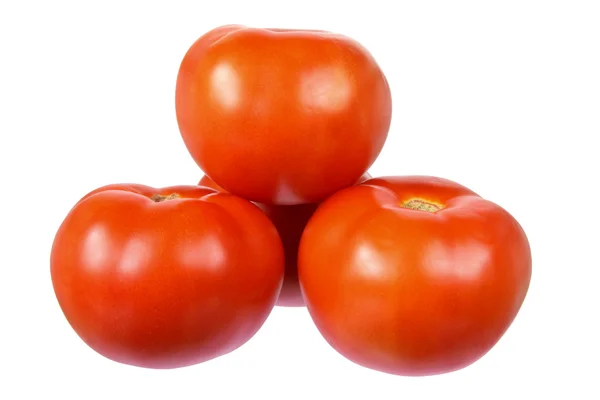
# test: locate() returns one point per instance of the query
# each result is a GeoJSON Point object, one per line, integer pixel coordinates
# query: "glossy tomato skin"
{"type": "Point", "coordinates": [290, 222]}
{"type": "Point", "coordinates": [409, 291]}
{"type": "Point", "coordinates": [157, 281]}
{"type": "Point", "coordinates": [280, 116]}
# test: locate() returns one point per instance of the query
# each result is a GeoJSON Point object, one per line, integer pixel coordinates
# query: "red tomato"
{"type": "Point", "coordinates": [413, 275]}
{"type": "Point", "coordinates": [282, 116]}
{"type": "Point", "coordinates": [290, 222]}
{"type": "Point", "coordinates": [165, 278]}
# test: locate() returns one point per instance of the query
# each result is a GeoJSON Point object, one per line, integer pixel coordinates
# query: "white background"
{"type": "Point", "coordinates": [503, 97]}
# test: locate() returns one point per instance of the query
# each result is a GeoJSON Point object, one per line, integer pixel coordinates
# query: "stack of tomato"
{"type": "Point", "coordinates": [408, 275]}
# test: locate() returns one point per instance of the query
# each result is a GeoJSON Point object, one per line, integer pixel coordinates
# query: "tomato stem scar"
{"type": "Point", "coordinates": [422, 205]}
{"type": "Point", "coordinates": [157, 198]}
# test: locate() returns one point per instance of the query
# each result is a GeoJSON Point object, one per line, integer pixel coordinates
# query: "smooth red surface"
{"type": "Point", "coordinates": [166, 284]}
{"type": "Point", "coordinates": [282, 116]}
{"type": "Point", "coordinates": [290, 222]}
{"type": "Point", "coordinates": [412, 292]}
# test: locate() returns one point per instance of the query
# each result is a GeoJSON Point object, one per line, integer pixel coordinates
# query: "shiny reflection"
{"type": "Point", "coordinates": [284, 192]}
{"type": "Point", "coordinates": [326, 89]}
{"type": "Point", "coordinates": [370, 263]}
{"type": "Point", "coordinates": [464, 261]}
{"type": "Point", "coordinates": [206, 253]}
{"type": "Point", "coordinates": [135, 255]}
{"type": "Point", "coordinates": [96, 248]}
{"type": "Point", "coordinates": [225, 85]}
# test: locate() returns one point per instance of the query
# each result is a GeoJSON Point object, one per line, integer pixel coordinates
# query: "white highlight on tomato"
{"type": "Point", "coordinates": [97, 248]}
{"type": "Point", "coordinates": [466, 260]}
{"type": "Point", "coordinates": [135, 254]}
{"type": "Point", "coordinates": [327, 89]}
{"type": "Point", "coordinates": [225, 85]}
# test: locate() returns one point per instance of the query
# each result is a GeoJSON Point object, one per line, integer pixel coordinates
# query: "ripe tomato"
{"type": "Point", "coordinates": [165, 278]}
{"type": "Point", "coordinates": [290, 222]}
{"type": "Point", "coordinates": [282, 116]}
{"type": "Point", "coordinates": [413, 275]}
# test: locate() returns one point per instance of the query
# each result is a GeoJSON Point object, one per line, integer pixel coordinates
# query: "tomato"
{"type": "Point", "coordinates": [165, 278]}
{"type": "Point", "coordinates": [413, 275]}
{"type": "Point", "coordinates": [290, 222]}
{"type": "Point", "coordinates": [282, 116]}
